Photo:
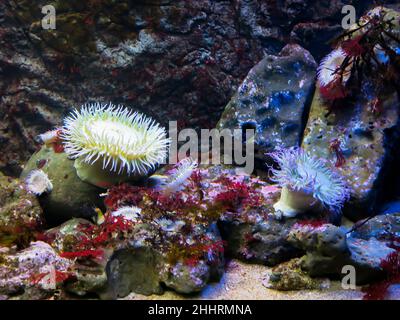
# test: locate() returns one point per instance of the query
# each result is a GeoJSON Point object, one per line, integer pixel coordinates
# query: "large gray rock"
{"type": "Point", "coordinates": [367, 143]}
{"type": "Point", "coordinates": [273, 100]}
{"type": "Point", "coordinates": [360, 134]}
{"type": "Point", "coordinates": [32, 273]}
{"type": "Point", "coordinates": [138, 262]}
{"type": "Point", "coordinates": [259, 239]}
{"type": "Point", "coordinates": [382, 227]}
{"type": "Point", "coordinates": [329, 249]}
{"type": "Point", "coordinates": [134, 270]}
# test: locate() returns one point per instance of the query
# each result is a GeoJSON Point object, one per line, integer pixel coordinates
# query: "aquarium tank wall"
{"type": "Point", "coordinates": [216, 150]}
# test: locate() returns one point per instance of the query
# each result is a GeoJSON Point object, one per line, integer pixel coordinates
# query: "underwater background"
{"type": "Point", "coordinates": [173, 60]}
{"type": "Point", "coordinates": [324, 104]}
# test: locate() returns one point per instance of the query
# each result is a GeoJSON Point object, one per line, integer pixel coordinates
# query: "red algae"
{"type": "Point", "coordinates": [311, 223]}
{"type": "Point", "coordinates": [391, 265]}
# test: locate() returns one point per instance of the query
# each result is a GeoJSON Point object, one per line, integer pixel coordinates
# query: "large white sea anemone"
{"type": "Point", "coordinates": [111, 142]}
{"type": "Point", "coordinates": [308, 183]}
{"type": "Point", "coordinates": [38, 182]}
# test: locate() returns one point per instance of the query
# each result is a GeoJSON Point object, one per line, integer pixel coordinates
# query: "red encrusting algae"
{"type": "Point", "coordinates": [353, 47]}
{"type": "Point", "coordinates": [82, 254]}
{"type": "Point", "coordinates": [311, 223]}
{"type": "Point", "coordinates": [59, 277]}
{"type": "Point", "coordinates": [97, 237]}
{"type": "Point", "coordinates": [391, 265]}
{"type": "Point", "coordinates": [335, 146]}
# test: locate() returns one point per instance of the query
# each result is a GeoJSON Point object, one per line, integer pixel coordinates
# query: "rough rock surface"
{"type": "Point", "coordinates": [289, 276]}
{"type": "Point", "coordinates": [175, 60]}
{"type": "Point", "coordinates": [70, 197]}
{"type": "Point", "coordinates": [382, 227]}
{"type": "Point", "coordinates": [20, 212]}
{"type": "Point", "coordinates": [257, 236]}
{"type": "Point", "coordinates": [329, 248]}
{"type": "Point", "coordinates": [136, 264]}
{"type": "Point", "coordinates": [366, 256]}
{"type": "Point", "coordinates": [134, 270]}
{"type": "Point", "coordinates": [360, 134]}
{"type": "Point", "coordinates": [33, 272]}
{"type": "Point", "coordinates": [366, 142]}
{"type": "Point", "coordinates": [274, 99]}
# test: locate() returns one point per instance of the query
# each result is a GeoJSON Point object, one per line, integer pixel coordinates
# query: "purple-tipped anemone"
{"type": "Point", "coordinates": [299, 172]}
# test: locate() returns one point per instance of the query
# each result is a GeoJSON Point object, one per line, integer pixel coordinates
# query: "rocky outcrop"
{"type": "Point", "coordinates": [20, 213]}
{"type": "Point", "coordinates": [289, 276]}
{"type": "Point", "coordinates": [382, 227]}
{"type": "Point", "coordinates": [33, 273]}
{"type": "Point", "coordinates": [329, 249]}
{"type": "Point", "coordinates": [137, 263]}
{"type": "Point", "coordinates": [360, 133]}
{"type": "Point", "coordinates": [367, 143]}
{"type": "Point", "coordinates": [258, 238]}
{"type": "Point", "coordinates": [273, 100]}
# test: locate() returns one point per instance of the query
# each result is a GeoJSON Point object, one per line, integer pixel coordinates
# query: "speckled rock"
{"type": "Point", "coordinates": [327, 239]}
{"type": "Point", "coordinates": [171, 59]}
{"type": "Point", "coordinates": [273, 100]}
{"type": "Point", "coordinates": [137, 264]}
{"type": "Point", "coordinates": [382, 227]}
{"type": "Point", "coordinates": [20, 212]}
{"type": "Point", "coordinates": [367, 142]}
{"type": "Point", "coordinates": [326, 249]}
{"type": "Point", "coordinates": [88, 279]}
{"type": "Point", "coordinates": [32, 273]}
{"type": "Point", "coordinates": [134, 270]}
{"type": "Point", "coordinates": [70, 197]}
{"type": "Point", "coordinates": [187, 279]}
{"type": "Point", "coordinates": [258, 238]}
{"type": "Point", "coordinates": [329, 248]}
{"type": "Point", "coordinates": [366, 256]}
{"type": "Point", "coordinates": [289, 276]}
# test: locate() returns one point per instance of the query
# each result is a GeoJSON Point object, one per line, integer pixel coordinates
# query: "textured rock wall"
{"type": "Point", "coordinates": [171, 59]}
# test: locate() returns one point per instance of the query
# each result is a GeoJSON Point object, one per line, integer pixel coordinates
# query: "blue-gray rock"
{"type": "Point", "coordinates": [382, 227]}
{"type": "Point", "coordinates": [329, 249]}
{"type": "Point", "coordinates": [273, 100]}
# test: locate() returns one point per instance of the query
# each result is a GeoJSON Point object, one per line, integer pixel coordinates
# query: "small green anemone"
{"type": "Point", "coordinates": [112, 144]}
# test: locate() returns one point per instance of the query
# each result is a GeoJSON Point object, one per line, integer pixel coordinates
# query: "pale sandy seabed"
{"type": "Point", "coordinates": [244, 281]}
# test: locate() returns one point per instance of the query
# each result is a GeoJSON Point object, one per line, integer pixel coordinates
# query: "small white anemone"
{"type": "Point", "coordinates": [178, 177]}
{"type": "Point", "coordinates": [128, 213]}
{"type": "Point", "coordinates": [125, 141]}
{"type": "Point", "coordinates": [38, 182]}
{"type": "Point", "coordinates": [330, 65]}
{"type": "Point", "coordinates": [50, 137]}
{"type": "Point", "coordinates": [168, 225]}
{"type": "Point", "coordinates": [307, 183]}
